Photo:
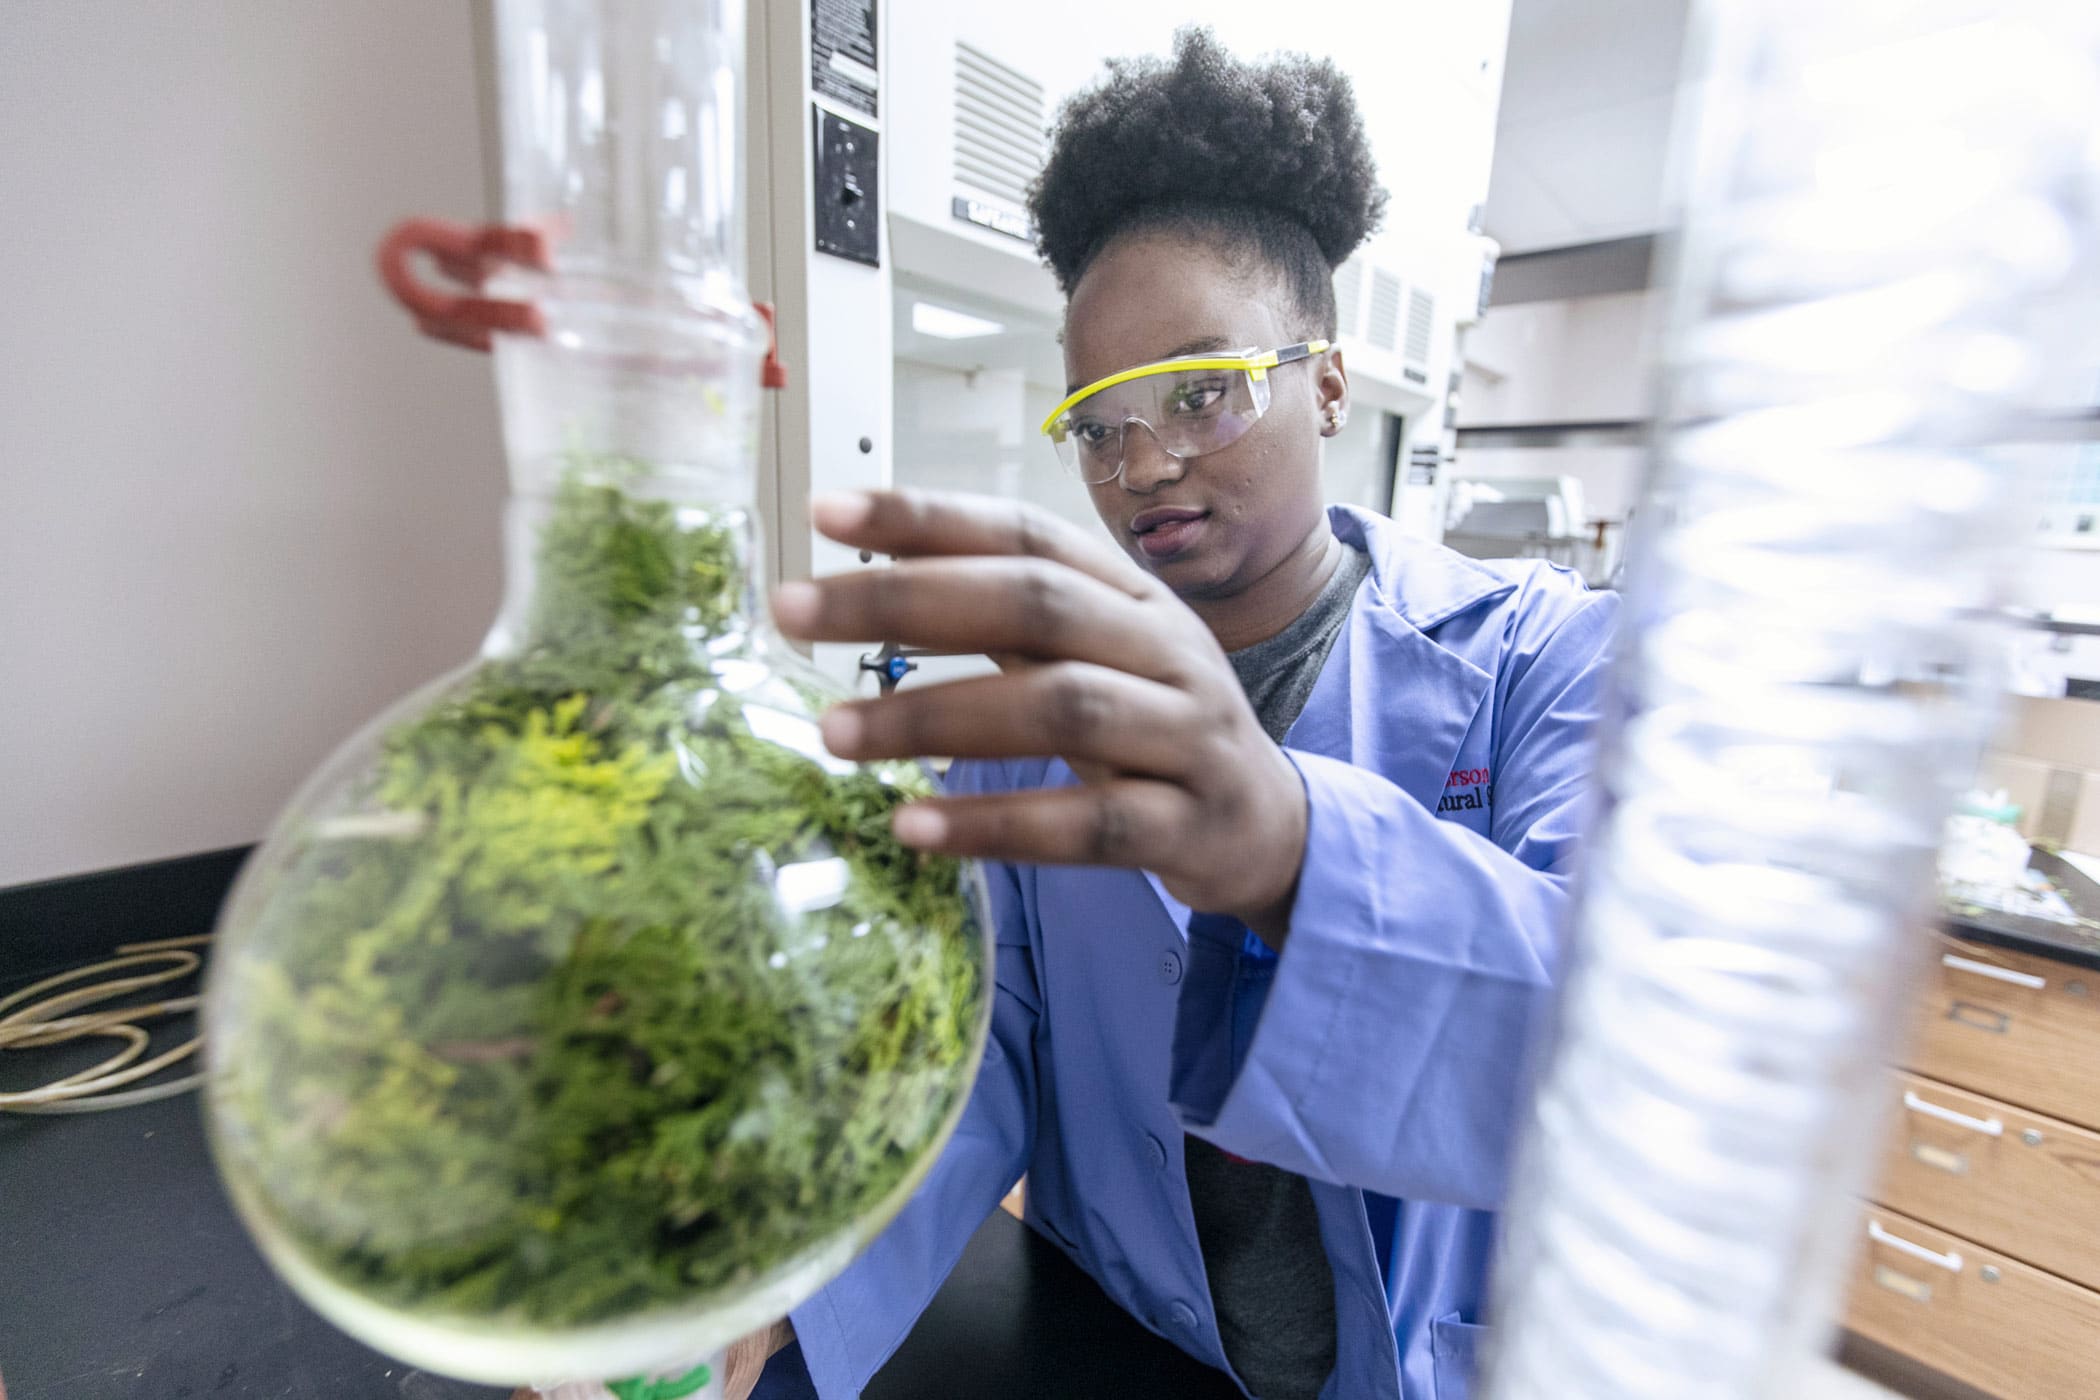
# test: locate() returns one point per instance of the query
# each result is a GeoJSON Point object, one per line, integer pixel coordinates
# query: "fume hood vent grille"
{"type": "Point", "coordinates": [998, 126]}
{"type": "Point", "coordinates": [1421, 312]}
{"type": "Point", "coordinates": [1385, 310]}
{"type": "Point", "coordinates": [1348, 297]}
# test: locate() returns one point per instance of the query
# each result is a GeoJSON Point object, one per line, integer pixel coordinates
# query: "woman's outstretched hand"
{"type": "Point", "coordinates": [1103, 667]}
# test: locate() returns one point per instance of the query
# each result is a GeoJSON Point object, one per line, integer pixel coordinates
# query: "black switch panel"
{"type": "Point", "coordinates": [849, 213]}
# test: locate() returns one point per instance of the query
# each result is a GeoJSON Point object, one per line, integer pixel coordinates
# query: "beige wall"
{"type": "Point", "coordinates": [1582, 359]}
{"type": "Point", "coordinates": [2046, 758]}
{"type": "Point", "coordinates": [241, 507]}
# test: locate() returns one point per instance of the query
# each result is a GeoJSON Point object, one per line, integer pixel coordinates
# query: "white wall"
{"type": "Point", "coordinates": [2062, 578]}
{"type": "Point", "coordinates": [2065, 581]}
{"type": "Point", "coordinates": [241, 505]}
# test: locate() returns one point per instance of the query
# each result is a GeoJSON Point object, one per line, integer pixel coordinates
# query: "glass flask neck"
{"type": "Point", "coordinates": [622, 135]}
{"type": "Point", "coordinates": [622, 138]}
{"type": "Point", "coordinates": [633, 568]}
{"type": "Point", "coordinates": [631, 424]}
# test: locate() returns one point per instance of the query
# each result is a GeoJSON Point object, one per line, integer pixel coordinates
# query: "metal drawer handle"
{"type": "Point", "coordinates": [2001, 974]}
{"type": "Point", "coordinates": [1989, 1127]}
{"type": "Point", "coordinates": [1950, 1262]}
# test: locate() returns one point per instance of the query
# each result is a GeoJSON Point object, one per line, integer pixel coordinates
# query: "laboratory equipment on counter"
{"type": "Point", "coordinates": [1890, 202]}
{"type": "Point", "coordinates": [582, 1014]}
{"type": "Point", "coordinates": [892, 663]}
{"type": "Point", "coordinates": [1519, 518]}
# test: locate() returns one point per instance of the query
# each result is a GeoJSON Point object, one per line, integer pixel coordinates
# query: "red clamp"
{"type": "Point", "coordinates": [771, 374]}
{"type": "Point", "coordinates": [467, 254]}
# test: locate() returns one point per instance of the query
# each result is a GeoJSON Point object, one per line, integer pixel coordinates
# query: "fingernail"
{"type": "Point", "coordinates": [843, 727]}
{"type": "Point", "coordinates": [920, 825]}
{"type": "Point", "coordinates": [840, 510]}
{"type": "Point", "coordinates": [795, 605]}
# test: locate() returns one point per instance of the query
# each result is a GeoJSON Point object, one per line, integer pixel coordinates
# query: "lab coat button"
{"type": "Point", "coordinates": [1184, 1316]}
{"type": "Point", "coordinates": [1157, 1151]}
{"type": "Point", "coordinates": [1170, 967]}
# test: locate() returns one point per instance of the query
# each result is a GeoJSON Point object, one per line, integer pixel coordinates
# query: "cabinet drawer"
{"type": "Point", "coordinates": [2022, 1029]}
{"type": "Point", "coordinates": [2023, 1184]}
{"type": "Point", "coordinates": [1973, 1313]}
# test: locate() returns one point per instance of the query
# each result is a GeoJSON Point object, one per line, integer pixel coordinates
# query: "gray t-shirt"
{"type": "Point", "coordinates": [1270, 1281]}
{"type": "Point", "coordinates": [1278, 674]}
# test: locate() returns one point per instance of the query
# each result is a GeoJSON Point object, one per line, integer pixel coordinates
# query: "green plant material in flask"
{"type": "Point", "coordinates": [583, 1013]}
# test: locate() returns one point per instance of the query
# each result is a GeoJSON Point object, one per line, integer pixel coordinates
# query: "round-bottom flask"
{"type": "Point", "coordinates": [582, 1014]}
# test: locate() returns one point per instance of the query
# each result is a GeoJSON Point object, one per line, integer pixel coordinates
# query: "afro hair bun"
{"type": "Point", "coordinates": [1281, 135]}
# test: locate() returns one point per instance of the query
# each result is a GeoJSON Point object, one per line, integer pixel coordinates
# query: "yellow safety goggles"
{"type": "Point", "coordinates": [1191, 405]}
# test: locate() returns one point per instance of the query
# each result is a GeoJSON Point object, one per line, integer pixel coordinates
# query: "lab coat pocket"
{"type": "Point", "coordinates": [1455, 1347]}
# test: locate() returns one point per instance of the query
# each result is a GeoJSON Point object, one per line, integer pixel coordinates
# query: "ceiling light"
{"type": "Point", "coordinates": [944, 324]}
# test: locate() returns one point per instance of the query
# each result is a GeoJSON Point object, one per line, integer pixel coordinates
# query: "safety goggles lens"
{"type": "Point", "coordinates": [1188, 412]}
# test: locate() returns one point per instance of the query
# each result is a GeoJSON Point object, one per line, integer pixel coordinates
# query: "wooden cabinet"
{"type": "Point", "coordinates": [1988, 1171]}
{"type": "Point", "coordinates": [1977, 1314]}
{"type": "Point", "coordinates": [1981, 1248]}
{"type": "Point", "coordinates": [2020, 1028]}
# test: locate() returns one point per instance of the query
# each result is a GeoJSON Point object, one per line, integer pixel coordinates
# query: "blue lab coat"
{"type": "Point", "coordinates": [1446, 752]}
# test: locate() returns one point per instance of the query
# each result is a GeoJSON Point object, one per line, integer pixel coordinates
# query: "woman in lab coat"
{"type": "Point", "coordinates": [1275, 922]}
{"type": "Point", "coordinates": [1275, 1129]}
